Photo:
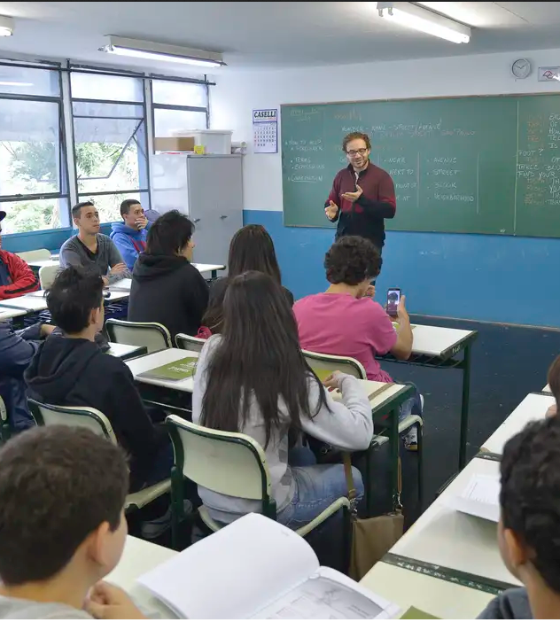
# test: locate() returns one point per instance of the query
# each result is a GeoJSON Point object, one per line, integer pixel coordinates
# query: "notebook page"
{"type": "Point", "coordinates": [329, 594]}
{"type": "Point", "coordinates": [233, 572]}
{"type": "Point", "coordinates": [480, 498]}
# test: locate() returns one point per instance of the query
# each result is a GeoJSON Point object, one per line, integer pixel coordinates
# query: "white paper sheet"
{"type": "Point", "coordinates": [480, 498]}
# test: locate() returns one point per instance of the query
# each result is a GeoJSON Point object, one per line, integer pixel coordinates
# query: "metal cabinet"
{"type": "Point", "coordinates": [207, 188]}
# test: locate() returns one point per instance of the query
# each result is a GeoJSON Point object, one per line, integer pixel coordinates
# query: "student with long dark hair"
{"type": "Point", "coordinates": [166, 288]}
{"type": "Point", "coordinates": [251, 249]}
{"type": "Point", "coordinates": [253, 379]}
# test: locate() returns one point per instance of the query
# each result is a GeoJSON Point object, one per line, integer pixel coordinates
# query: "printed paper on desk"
{"type": "Point", "coordinates": [123, 284]}
{"type": "Point", "coordinates": [480, 498]}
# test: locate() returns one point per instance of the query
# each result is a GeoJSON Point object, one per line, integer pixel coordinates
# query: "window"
{"type": "Point", "coordinates": [178, 106]}
{"type": "Point", "coordinates": [33, 179]}
{"type": "Point", "coordinates": [110, 143]}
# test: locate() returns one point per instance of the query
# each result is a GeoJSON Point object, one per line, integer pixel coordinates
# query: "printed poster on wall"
{"type": "Point", "coordinates": [265, 131]}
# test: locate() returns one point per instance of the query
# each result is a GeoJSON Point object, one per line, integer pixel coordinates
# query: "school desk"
{"type": "Point", "coordinates": [532, 407]}
{"type": "Point", "coordinates": [138, 558]}
{"type": "Point", "coordinates": [454, 546]}
{"type": "Point", "coordinates": [409, 588]}
{"type": "Point", "coordinates": [384, 406]}
{"type": "Point", "coordinates": [440, 347]}
{"type": "Point", "coordinates": [126, 351]}
{"type": "Point", "coordinates": [10, 313]}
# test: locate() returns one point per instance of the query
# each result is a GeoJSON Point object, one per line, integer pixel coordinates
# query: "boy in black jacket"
{"type": "Point", "coordinates": [72, 370]}
{"type": "Point", "coordinates": [529, 528]}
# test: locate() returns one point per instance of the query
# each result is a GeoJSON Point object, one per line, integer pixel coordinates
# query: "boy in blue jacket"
{"type": "Point", "coordinates": [130, 236]}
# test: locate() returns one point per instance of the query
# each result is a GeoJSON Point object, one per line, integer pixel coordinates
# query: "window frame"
{"type": "Point", "coordinates": [63, 194]}
{"type": "Point", "coordinates": [68, 183]}
{"type": "Point", "coordinates": [181, 108]}
{"type": "Point", "coordinates": [143, 104]}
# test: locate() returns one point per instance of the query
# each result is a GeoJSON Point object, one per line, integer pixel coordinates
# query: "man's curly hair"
{"type": "Point", "coordinates": [530, 494]}
{"type": "Point", "coordinates": [351, 260]}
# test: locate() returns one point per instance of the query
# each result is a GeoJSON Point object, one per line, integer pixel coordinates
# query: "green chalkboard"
{"type": "Point", "coordinates": [467, 165]}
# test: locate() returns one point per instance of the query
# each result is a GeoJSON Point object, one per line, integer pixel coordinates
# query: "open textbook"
{"type": "Point", "coordinates": [257, 568]}
{"type": "Point", "coordinates": [481, 498]}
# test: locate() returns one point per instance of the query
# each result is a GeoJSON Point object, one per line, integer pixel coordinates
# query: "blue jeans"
{"type": "Point", "coordinates": [317, 487]}
{"type": "Point", "coordinates": [411, 406]}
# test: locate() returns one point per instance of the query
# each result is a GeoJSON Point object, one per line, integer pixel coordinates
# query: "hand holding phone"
{"type": "Point", "coordinates": [393, 301]}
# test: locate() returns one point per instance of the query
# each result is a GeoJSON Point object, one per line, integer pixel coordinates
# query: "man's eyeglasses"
{"type": "Point", "coordinates": [358, 152]}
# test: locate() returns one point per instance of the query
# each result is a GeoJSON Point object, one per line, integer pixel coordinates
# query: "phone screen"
{"type": "Point", "coordinates": [393, 300]}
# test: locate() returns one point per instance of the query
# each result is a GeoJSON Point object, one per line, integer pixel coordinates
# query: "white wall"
{"type": "Point", "coordinates": [238, 93]}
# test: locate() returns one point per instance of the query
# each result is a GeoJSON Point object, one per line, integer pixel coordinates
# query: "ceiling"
{"type": "Point", "coordinates": [271, 34]}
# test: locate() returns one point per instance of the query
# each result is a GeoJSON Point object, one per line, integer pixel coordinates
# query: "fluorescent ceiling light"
{"type": "Point", "coordinates": [148, 50]}
{"type": "Point", "coordinates": [417, 18]}
{"type": "Point", "coordinates": [12, 83]}
{"type": "Point", "coordinates": [6, 26]}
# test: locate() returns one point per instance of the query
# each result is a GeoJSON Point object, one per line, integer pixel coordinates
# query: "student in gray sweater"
{"type": "Point", "coordinates": [529, 528]}
{"type": "Point", "coordinates": [252, 378]}
{"type": "Point", "coordinates": [90, 249]}
{"type": "Point", "coordinates": [62, 525]}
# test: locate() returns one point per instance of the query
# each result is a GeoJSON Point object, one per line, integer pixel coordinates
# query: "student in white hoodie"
{"type": "Point", "coordinates": [253, 379]}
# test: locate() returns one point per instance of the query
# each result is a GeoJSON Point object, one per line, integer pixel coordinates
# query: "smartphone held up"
{"type": "Point", "coordinates": [393, 300]}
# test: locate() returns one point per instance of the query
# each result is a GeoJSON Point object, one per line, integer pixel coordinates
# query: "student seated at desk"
{"type": "Point", "coordinates": [90, 249]}
{"type": "Point", "coordinates": [529, 527]}
{"type": "Point", "coordinates": [17, 349]}
{"type": "Point", "coordinates": [130, 235]}
{"type": "Point", "coordinates": [251, 249]}
{"type": "Point", "coordinates": [16, 276]}
{"type": "Point", "coordinates": [62, 525]}
{"type": "Point", "coordinates": [345, 321]}
{"type": "Point", "coordinates": [166, 288]}
{"type": "Point", "coordinates": [253, 379]}
{"type": "Point", "coordinates": [73, 371]}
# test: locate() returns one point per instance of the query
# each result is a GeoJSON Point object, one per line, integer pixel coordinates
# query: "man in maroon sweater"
{"type": "Point", "coordinates": [362, 195]}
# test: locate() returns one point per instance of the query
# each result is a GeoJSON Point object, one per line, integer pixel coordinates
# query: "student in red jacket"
{"type": "Point", "coordinates": [16, 276]}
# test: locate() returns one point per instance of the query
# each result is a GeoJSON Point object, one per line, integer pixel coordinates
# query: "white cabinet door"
{"type": "Point", "coordinates": [215, 204]}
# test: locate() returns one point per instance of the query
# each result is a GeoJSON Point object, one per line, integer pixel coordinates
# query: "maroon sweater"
{"type": "Point", "coordinates": [365, 217]}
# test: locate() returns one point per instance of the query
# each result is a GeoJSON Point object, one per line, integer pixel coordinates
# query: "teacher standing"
{"type": "Point", "coordinates": [362, 195]}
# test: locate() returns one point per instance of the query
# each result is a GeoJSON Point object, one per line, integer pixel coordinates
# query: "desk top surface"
{"type": "Point", "coordinates": [532, 407]}
{"type": "Point", "coordinates": [437, 341]}
{"type": "Point", "coordinates": [437, 597]}
{"type": "Point", "coordinates": [30, 303]}
{"type": "Point", "coordinates": [10, 313]}
{"type": "Point", "coordinates": [138, 558]}
{"type": "Point", "coordinates": [447, 538]}
{"type": "Point", "coordinates": [160, 358]}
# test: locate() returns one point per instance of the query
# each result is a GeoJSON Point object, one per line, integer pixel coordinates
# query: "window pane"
{"type": "Point", "coordinates": [110, 154]}
{"type": "Point", "coordinates": [168, 122]}
{"type": "Point", "coordinates": [29, 81]}
{"type": "Point", "coordinates": [179, 93]}
{"type": "Point", "coordinates": [106, 87]}
{"type": "Point", "coordinates": [109, 206]}
{"type": "Point", "coordinates": [30, 215]}
{"type": "Point", "coordinates": [29, 147]}
{"type": "Point", "coordinates": [88, 108]}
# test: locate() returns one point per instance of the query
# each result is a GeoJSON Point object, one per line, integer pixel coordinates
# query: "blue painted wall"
{"type": "Point", "coordinates": [480, 277]}
{"type": "Point", "coordinates": [49, 239]}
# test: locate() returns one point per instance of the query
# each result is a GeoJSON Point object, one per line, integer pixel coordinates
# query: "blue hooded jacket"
{"type": "Point", "coordinates": [129, 242]}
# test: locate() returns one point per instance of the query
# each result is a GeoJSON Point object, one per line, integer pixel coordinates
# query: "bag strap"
{"type": "Point", "coordinates": [348, 473]}
{"type": "Point", "coordinates": [352, 489]}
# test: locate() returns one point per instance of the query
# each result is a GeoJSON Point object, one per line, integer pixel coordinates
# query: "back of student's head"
{"type": "Point", "coordinates": [530, 497]}
{"type": "Point", "coordinates": [554, 380]}
{"type": "Point", "coordinates": [259, 354]}
{"type": "Point", "coordinates": [169, 234]}
{"type": "Point", "coordinates": [58, 484]}
{"type": "Point", "coordinates": [252, 249]}
{"type": "Point", "coordinates": [73, 295]}
{"type": "Point", "coordinates": [352, 261]}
